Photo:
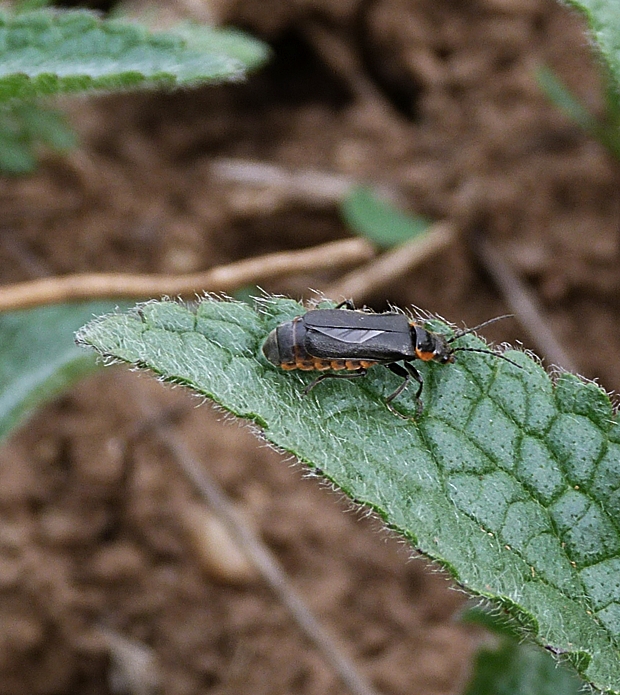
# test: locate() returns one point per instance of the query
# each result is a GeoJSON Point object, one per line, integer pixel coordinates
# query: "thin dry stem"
{"type": "Point", "coordinates": [380, 272]}
{"type": "Point", "coordinates": [134, 665]}
{"type": "Point", "coordinates": [307, 185]}
{"type": "Point", "coordinates": [226, 278]}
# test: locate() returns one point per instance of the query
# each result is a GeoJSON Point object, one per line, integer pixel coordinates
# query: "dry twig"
{"type": "Point", "coordinates": [307, 185]}
{"type": "Point", "coordinates": [227, 278]}
{"type": "Point", "coordinates": [133, 667]}
{"type": "Point", "coordinates": [359, 284]}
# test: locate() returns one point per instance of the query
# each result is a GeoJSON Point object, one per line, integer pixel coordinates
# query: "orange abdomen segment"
{"type": "Point", "coordinates": [319, 365]}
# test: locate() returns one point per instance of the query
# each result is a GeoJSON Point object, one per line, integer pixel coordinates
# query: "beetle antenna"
{"type": "Point", "coordinates": [460, 334]}
{"type": "Point", "coordinates": [487, 352]}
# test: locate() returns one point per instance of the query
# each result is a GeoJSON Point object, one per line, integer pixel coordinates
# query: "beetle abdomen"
{"type": "Point", "coordinates": [285, 345]}
{"type": "Point", "coordinates": [286, 348]}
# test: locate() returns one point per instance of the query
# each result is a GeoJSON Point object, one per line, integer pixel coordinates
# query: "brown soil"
{"type": "Point", "coordinates": [90, 514]}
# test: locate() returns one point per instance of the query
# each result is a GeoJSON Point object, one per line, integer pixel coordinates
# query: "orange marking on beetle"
{"type": "Point", "coordinates": [322, 365]}
{"type": "Point", "coordinates": [337, 365]}
{"type": "Point", "coordinates": [366, 363]}
{"type": "Point", "coordinates": [424, 356]}
{"type": "Point", "coordinates": [353, 365]}
{"type": "Point", "coordinates": [288, 366]}
{"type": "Point", "coordinates": [305, 366]}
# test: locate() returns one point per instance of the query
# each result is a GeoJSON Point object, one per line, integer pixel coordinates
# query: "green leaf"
{"type": "Point", "coordinates": [29, 5]}
{"type": "Point", "coordinates": [508, 480]}
{"type": "Point", "coordinates": [47, 52]}
{"type": "Point", "coordinates": [250, 52]}
{"type": "Point", "coordinates": [603, 17]}
{"type": "Point", "coordinates": [520, 669]}
{"type": "Point", "coordinates": [564, 99]}
{"type": "Point", "coordinates": [247, 294]}
{"type": "Point", "coordinates": [16, 157]}
{"type": "Point", "coordinates": [557, 92]}
{"type": "Point", "coordinates": [497, 622]}
{"type": "Point", "coordinates": [23, 127]}
{"type": "Point", "coordinates": [505, 665]}
{"type": "Point", "coordinates": [39, 357]}
{"type": "Point", "coordinates": [513, 668]}
{"type": "Point", "coordinates": [382, 223]}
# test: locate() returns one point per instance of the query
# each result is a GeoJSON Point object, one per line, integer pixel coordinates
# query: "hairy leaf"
{"type": "Point", "coordinates": [603, 17]}
{"type": "Point", "coordinates": [47, 52]}
{"type": "Point", "coordinates": [510, 481]}
{"type": "Point", "coordinates": [39, 357]}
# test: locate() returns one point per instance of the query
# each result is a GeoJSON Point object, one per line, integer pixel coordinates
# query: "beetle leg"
{"type": "Point", "coordinates": [322, 377]}
{"type": "Point", "coordinates": [406, 373]}
{"type": "Point", "coordinates": [350, 306]}
{"type": "Point", "coordinates": [402, 372]}
{"type": "Point", "coordinates": [417, 376]}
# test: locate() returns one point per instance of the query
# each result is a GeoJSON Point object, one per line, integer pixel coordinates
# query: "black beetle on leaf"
{"type": "Point", "coordinates": [344, 342]}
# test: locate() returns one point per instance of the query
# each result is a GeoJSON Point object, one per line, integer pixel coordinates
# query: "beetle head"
{"type": "Point", "coordinates": [430, 346]}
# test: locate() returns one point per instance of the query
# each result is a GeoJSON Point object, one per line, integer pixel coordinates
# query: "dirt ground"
{"type": "Point", "coordinates": [438, 99]}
